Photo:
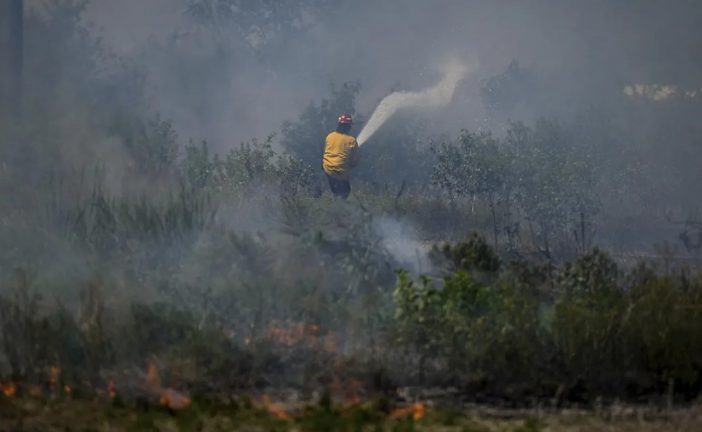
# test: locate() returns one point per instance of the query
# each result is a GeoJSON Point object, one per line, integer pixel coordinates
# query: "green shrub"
{"type": "Point", "coordinates": [577, 332]}
{"type": "Point", "coordinates": [473, 254]}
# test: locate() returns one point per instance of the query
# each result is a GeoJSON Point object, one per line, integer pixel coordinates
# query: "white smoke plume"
{"type": "Point", "coordinates": [400, 240]}
{"type": "Point", "coordinates": [434, 97]}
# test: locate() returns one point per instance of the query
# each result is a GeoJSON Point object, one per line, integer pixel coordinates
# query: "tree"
{"type": "Point", "coordinates": [555, 185]}
{"type": "Point", "coordinates": [476, 166]}
{"type": "Point", "coordinates": [262, 26]}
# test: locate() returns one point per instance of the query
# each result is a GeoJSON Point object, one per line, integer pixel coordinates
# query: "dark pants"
{"type": "Point", "coordinates": [340, 188]}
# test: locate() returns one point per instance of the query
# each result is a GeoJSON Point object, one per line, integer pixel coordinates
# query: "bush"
{"type": "Point", "coordinates": [579, 333]}
{"type": "Point", "coordinates": [474, 254]}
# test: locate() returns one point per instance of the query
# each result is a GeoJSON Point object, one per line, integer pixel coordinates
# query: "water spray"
{"type": "Point", "coordinates": [435, 97]}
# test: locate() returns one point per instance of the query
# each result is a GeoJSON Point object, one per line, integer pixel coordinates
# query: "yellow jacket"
{"type": "Point", "coordinates": [340, 155]}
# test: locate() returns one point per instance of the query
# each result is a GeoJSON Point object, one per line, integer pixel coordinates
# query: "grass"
{"type": "Point", "coordinates": [241, 414]}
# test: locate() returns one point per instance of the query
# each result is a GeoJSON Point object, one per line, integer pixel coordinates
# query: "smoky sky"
{"type": "Point", "coordinates": [582, 53]}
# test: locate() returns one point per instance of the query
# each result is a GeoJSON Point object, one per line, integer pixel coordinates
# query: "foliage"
{"type": "Point", "coordinates": [104, 224]}
{"type": "Point", "coordinates": [152, 144]}
{"type": "Point", "coordinates": [474, 254]}
{"type": "Point", "coordinates": [296, 177]}
{"type": "Point", "coordinates": [555, 185]}
{"type": "Point", "coordinates": [197, 167]}
{"type": "Point", "coordinates": [536, 173]}
{"type": "Point", "coordinates": [583, 339]}
{"type": "Point", "coordinates": [35, 341]}
{"type": "Point", "coordinates": [250, 163]}
{"type": "Point", "coordinates": [482, 335]}
{"type": "Point", "coordinates": [475, 166]}
{"type": "Point", "coordinates": [263, 26]}
{"type": "Point", "coordinates": [418, 312]}
{"type": "Point", "coordinates": [237, 272]}
{"type": "Point", "coordinates": [396, 158]}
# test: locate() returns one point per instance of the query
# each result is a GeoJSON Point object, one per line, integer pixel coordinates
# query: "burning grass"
{"type": "Point", "coordinates": [494, 333]}
{"type": "Point", "coordinates": [242, 413]}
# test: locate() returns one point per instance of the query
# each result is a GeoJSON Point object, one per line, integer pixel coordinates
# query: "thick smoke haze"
{"type": "Point", "coordinates": [527, 193]}
{"type": "Point", "coordinates": [621, 81]}
{"type": "Point", "coordinates": [236, 88]}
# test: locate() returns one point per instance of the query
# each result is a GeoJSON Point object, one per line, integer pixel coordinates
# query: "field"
{"type": "Point", "coordinates": [524, 273]}
{"type": "Point", "coordinates": [249, 415]}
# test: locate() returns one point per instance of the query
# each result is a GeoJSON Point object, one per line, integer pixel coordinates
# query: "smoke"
{"type": "Point", "coordinates": [435, 97]}
{"type": "Point", "coordinates": [217, 80]}
{"type": "Point", "coordinates": [401, 242]}
{"type": "Point", "coordinates": [220, 81]}
{"type": "Point", "coordinates": [246, 250]}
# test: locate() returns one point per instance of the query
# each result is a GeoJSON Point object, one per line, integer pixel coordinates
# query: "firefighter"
{"type": "Point", "coordinates": [340, 156]}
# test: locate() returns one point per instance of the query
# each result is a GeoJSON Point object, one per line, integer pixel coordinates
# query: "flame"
{"type": "Point", "coordinates": [416, 411]}
{"type": "Point", "coordinates": [68, 390]}
{"type": "Point", "coordinates": [293, 333]}
{"type": "Point", "coordinates": [353, 391]}
{"type": "Point", "coordinates": [111, 388]}
{"type": "Point", "coordinates": [172, 399]}
{"type": "Point", "coordinates": [9, 389]}
{"type": "Point", "coordinates": [54, 375]}
{"type": "Point", "coordinates": [153, 380]}
{"type": "Point", "coordinates": [275, 409]}
{"type": "Point", "coordinates": [167, 397]}
{"type": "Point", "coordinates": [35, 391]}
{"type": "Point", "coordinates": [348, 391]}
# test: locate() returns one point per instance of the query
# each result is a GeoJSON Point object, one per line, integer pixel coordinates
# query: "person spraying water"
{"type": "Point", "coordinates": [341, 150]}
{"type": "Point", "coordinates": [434, 97]}
{"type": "Point", "coordinates": [340, 157]}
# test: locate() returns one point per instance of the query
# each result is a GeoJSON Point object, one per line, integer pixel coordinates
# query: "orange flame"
{"type": "Point", "coordinates": [293, 334]}
{"type": "Point", "coordinates": [172, 399]}
{"type": "Point", "coordinates": [9, 389]}
{"type": "Point", "coordinates": [416, 411]}
{"type": "Point", "coordinates": [35, 391]}
{"type": "Point", "coordinates": [68, 390]}
{"type": "Point", "coordinates": [274, 408]}
{"type": "Point", "coordinates": [348, 391]}
{"type": "Point", "coordinates": [54, 375]}
{"type": "Point", "coordinates": [153, 381]}
{"type": "Point", "coordinates": [168, 397]}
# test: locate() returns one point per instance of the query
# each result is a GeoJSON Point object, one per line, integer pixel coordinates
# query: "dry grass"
{"type": "Point", "coordinates": [82, 415]}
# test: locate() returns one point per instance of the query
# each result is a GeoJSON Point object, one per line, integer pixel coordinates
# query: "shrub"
{"type": "Point", "coordinates": [474, 254]}
{"type": "Point", "coordinates": [577, 332]}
